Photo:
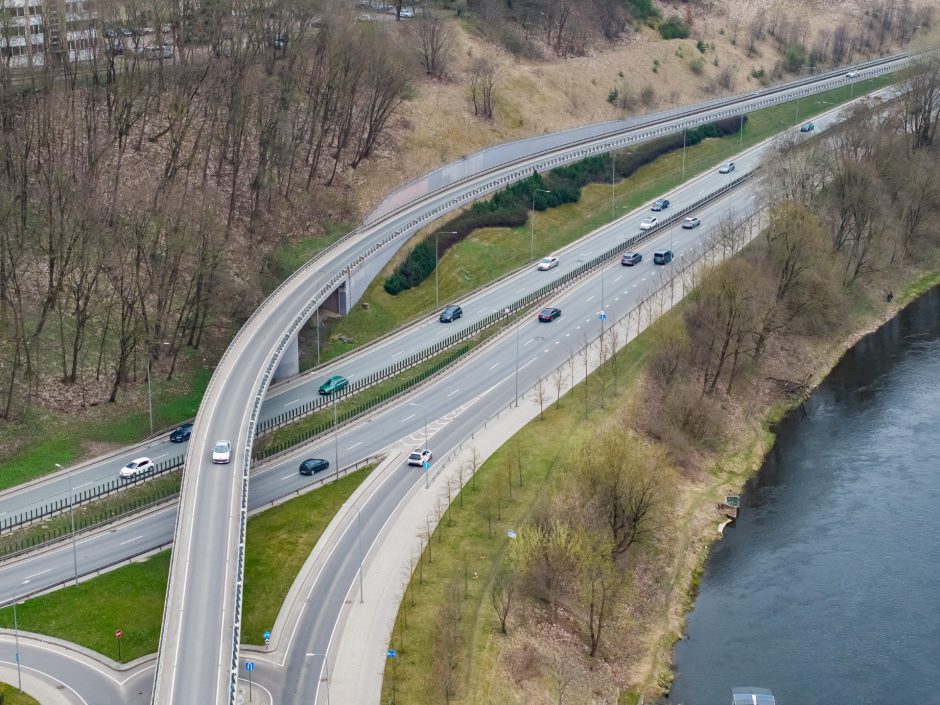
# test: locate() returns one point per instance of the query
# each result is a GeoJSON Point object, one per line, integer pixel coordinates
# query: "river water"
{"type": "Point", "coordinates": [828, 589]}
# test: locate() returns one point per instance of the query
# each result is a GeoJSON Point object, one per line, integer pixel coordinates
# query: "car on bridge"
{"type": "Point", "coordinates": [631, 258]}
{"type": "Point", "coordinates": [419, 456]}
{"type": "Point", "coordinates": [661, 204]}
{"type": "Point", "coordinates": [548, 263]}
{"type": "Point", "coordinates": [549, 314]}
{"type": "Point", "coordinates": [222, 452]}
{"type": "Point", "coordinates": [136, 467]}
{"type": "Point", "coordinates": [648, 224]}
{"type": "Point", "coordinates": [691, 222]}
{"type": "Point", "coordinates": [182, 434]}
{"type": "Point", "coordinates": [311, 466]}
{"type": "Point", "coordinates": [334, 384]}
{"type": "Point", "coordinates": [807, 127]}
{"type": "Point", "coordinates": [726, 168]}
{"type": "Point", "coordinates": [451, 314]}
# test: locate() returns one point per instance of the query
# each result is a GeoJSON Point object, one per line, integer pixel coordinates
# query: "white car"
{"type": "Point", "coordinates": [419, 457]}
{"type": "Point", "coordinates": [547, 263]}
{"type": "Point", "coordinates": [726, 168]}
{"type": "Point", "coordinates": [222, 452]}
{"type": "Point", "coordinates": [648, 224]}
{"type": "Point", "coordinates": [135, 468]}
{"type": "Point", "coordinates": [851, 74]}
{"type": "Point", "coordinates": [406, 12]}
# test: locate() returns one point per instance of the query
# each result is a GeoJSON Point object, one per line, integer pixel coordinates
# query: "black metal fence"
{"type": "Point", "coordinates": [59, 506]}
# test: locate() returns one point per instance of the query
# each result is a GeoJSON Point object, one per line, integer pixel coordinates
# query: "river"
{"type": "Point", "coordinates": [827, 591]}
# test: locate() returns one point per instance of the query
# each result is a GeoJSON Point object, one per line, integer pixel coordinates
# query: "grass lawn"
{"type": "Point", "coordinates": [471, 539]}
{"type": "Point", "coordinates": [131, 598]}
{"type": "Point", "coordinates": [492, 252]}
{"type": "Point", "coordinates": [9, 695]}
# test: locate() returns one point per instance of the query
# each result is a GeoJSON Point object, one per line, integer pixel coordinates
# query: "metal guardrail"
{"type": "Point", "coordinates": [60, 506]}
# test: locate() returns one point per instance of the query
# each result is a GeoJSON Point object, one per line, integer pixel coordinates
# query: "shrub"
{"type": "Point", "coordinates": [697, 66]}
{"type": "Point", "coordinates": [643, 10]}
{"type": "Point", "coordinates": [612, 96]}
{"type": "Point", "coordinates": [673, 28]}
{"type": "Point", "coordinates": [795, 57]}
{"type": "Point", "coordinates": [648, 95]}
{"type": "Point", "coordinates": [700, 45]}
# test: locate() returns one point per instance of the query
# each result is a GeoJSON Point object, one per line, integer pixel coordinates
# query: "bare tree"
{"type": "Point", "coordinates": [434, 42]}
{"type": "Point", "coordinates": [484, 76]}
{"type": "Point", "coordinates": [541, 395]}
{"type": "Point", "coordinates": [921, 102]}
{"type": "Point", "coordinates": [447, 640]}
{"type": "Point", "coordinates": [501, 595]}
{"type": "Point", "coordinates": [559, 378]}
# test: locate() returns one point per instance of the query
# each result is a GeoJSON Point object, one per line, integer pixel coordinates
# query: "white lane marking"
{"type": "Point", "coordinates": [354, 445]}
{"type": "Point", "coordinates": [287, 477]}
{"type": "Point", "coordinates": [521, 288]}
{"type": "Point", "coordinates": [530, 340]}
{"type": "Point", "coordinates": [291, 403]}
{"type": "Point", "coordinates": [157, 457]}
{"type": "Point", "coordinates": [589, 298]}
{"type": "Point", "coordinates": [526, 364]}
{"type": "Point", "coordinates": [494, 366]}
{"type": "Point", "coordinates": [41, 572]}
{"type": "Point", "coordinates": [453, 393]}
{"type": "Point", "coordinates": [618, 279]}
{"type": "Point", "coordinates": [84, 484]}
{"type": "Point", "coordinates": [567, 335]}
{"type": "Point", "coordinates": [409, 417]}
{"type": "Point", "coordinates": [545, 350]}
{"type": "Point", "coordinates": [136, 538]}
{"type": "Point", "coordinates": [634, 286]}
{"type": "Point", "coordinates": [643, 279]}
{"type": "Point", "coordinates": [400, 352]}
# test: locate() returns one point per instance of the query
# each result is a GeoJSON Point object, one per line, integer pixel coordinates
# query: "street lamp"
{"type": "Point", "coordinates": [16, 639]}
{"type": "Point", "coordinates": [72, 517]}
{"type": "Point", "coordinates": [326, 663]}
{"type": "Point", "coordinates": [683, 153]}
{"type": "Point", "coordinates": [427, 469]}
{"type": "Point", "coordinates": [532, 243]}
{"type": "Point", "coordinates": [361, 555]}
{"type": "Point", "coordinates": [149, 392]}
{"type": "Point", "coordinates": [335, 438]}
{"type": "Point", "coordinates": [437, 297]}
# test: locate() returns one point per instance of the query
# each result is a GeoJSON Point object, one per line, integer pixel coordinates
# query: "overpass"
{"type": "Point", "coordinates": [198, 655]}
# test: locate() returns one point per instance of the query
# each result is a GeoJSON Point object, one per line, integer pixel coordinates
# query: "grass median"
{"type": "Point", "coordinates": [490, 253]}
{"type": "Point", "coordinates": [9, 695]}
{"type": "Point", "coordinates": [131, 598]}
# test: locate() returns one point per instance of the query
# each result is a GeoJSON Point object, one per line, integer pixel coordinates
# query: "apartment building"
{"type": "Point", "coordinates": [47, 32]}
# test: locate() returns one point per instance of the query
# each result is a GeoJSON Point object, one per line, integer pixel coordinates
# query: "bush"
{"type": "Point", "coordinates": [697, 66]}
{"type": "Point", "coordinates": [795, 57]}
{"type": "Point", "coordinates": [612, 96]}
{"type": "Point", "coordinates": [643, 10]}
{"type": "Point", "coordinates": [700, 45]}
{"type": "Point", "coordinates": [648, 95]}
{"type": "Point", "coordinates": [673, 28]}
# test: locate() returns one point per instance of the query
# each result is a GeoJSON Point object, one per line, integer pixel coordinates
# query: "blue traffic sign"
{"type": "Point", "coordinates": [426, 464]}
{"type": "Point", "coordinates": [602, 315]}
{"type": "Point", "coordinates": [249, 665]}
{"type": "Point", "coordinates": [392, 653]}
{"type": "Point", "coordinates": [267, 635]}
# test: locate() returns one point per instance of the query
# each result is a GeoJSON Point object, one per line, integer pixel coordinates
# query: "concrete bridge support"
{"type": "Point", "coordinates": [290, 362]}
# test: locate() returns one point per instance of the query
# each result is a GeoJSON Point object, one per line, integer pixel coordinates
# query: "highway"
{"type": "Point", "coordinates": [215, 497]}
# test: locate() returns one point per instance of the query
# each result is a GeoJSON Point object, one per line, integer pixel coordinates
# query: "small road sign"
{"type": "Point", "coordinates": [602, 315]}
{"type": "Point", "coordinates": [392, 653]}
{"type": "Point", "coordinates": [118, 634]}
{"type": "Point", "coordinates": [511, 533]}
{"type": "Point", "coordinates": [267, 635]}
{"type": "Point", "coordinates": [249, 665]}
{"type": "Point", "coordinates": [426, 464]}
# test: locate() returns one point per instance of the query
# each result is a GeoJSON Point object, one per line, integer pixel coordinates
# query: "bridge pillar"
{"type": "Point", "coordinates": [290, 361]}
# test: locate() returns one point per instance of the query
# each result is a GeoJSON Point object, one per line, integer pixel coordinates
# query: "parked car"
{"type": "Point", "coordinates": [164, 51]}
{"type": "Point", "coordinates": [662, 257]}
{"type": "Point", "coordinates": [222, 452]}
{"type": "Point", "coordinates": [726, 168]}
{"type": "Point", "coordinates": [631, 258]}
{"type": "Point", "coordinates": [334, 384]}
{"type": "Point", "coordinates": [136, 467]}
{"type": "Point", "coordinates": [311, 466]}
{"type": "Point", "coordinates": [549, 314]}
{"type": "Point", "coordinates": [648, 224]}
{"type": "Point", "coordinates": [182, 433]}
{"type": "Point", "coordinates": [451, 314]}
{"type": "Point", "coordinates": [406, 12]}
{"type": "Point", "coordinates": [808, 127]}
{"type": "Point", "coordinates": [419, 457]}
{"type": "Point", "coordinates": [661, 204]}
{"type": "Point", "coordinates": [548, 263]}
{"type": "Point", "coordinates": [691, 222]}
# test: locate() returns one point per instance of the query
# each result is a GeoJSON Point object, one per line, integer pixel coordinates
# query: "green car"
{"type": "Point", "coordinates": [334, 384]}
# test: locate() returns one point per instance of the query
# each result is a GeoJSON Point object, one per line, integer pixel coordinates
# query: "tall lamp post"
{"type": "Point", "coordinates": [326, 664]}
{"type": "Point", "coordinates": [437, 288]}
{"type": "Point", "coordinates": [335, 438]}
{"type": "Point", "coordinates": [16, 639]}
{"type": "Point", "coordinates": [149, 391]}
{"type": "Point", "coordinates": [427, 472]}
{"type": "Point", "coordinates": [72, 517]}
{"type": "Point", "coordinates": [532, 242]}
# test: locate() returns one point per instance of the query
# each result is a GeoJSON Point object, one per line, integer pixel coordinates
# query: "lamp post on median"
{"type": "Point", "coordinates": [72, 517]}
{"type": "Point", "coordinates": [427, 468]}
{"type": "Point", "coordinates": [437, 297]}
{"type": "Point", "coordinates": [326, 664]}
{"type": "Point", "coordinates": [335, 438]}
{"type": "Point", "coordinates": [532, 239]}
{"type": "Point", "coordinates": [683, 153]}
{"type": "Point", "coordinates": [16, 639]}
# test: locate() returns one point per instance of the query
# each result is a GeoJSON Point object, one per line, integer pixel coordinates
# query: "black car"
{"type": "Point", "coordinates": [549, 314]}
{"type": "Point", "coordinates": [450, 314]}
{"type": "Point", "coordinates": [311, 466]}
{"type": "Point", "coordinates": [182, 434]}
{"type": "Point", "coordinates": [661, 205]}
{"type": "Point", "coordinates": [631, 258]}
{"type": "Point", "coordinates": [662, 257]}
